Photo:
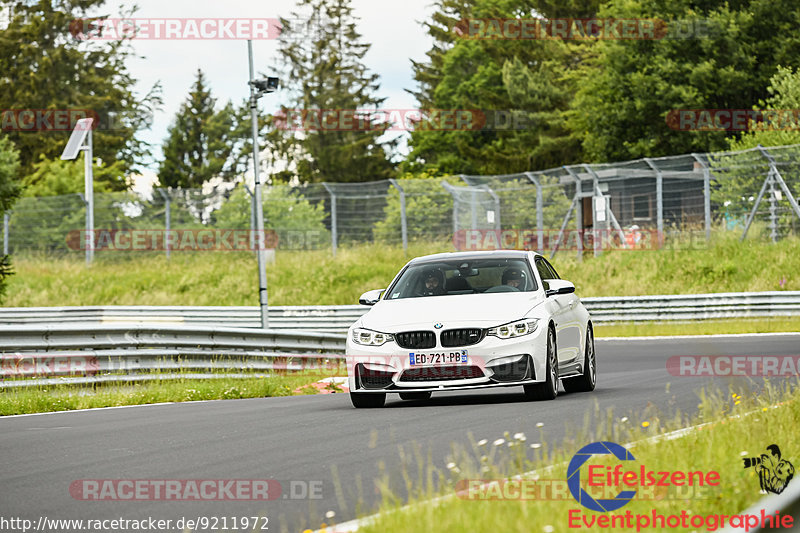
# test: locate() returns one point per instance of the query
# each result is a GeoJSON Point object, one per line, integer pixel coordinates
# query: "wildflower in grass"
{"type": "Point", "coordinates": [549, 529]}
{"type": "Point", "coordinates": [520, 437]}
{"type": "Point", "coordinates": [499, 442]}
{"type": "Point", "coordinates": [645, 424]}
{"type": "Point", "coordinates": [451, 466]}
{"type": "Point", "coordinates": [330, 514]}
{"type": "Point", "coordinates": [539, 424]}
{"type": "Point", "coordinates": [623, 419]}
{"type": "Point", "coordinates": [536, 445]}
{"type": "Point", "coordinates": [483, 442]}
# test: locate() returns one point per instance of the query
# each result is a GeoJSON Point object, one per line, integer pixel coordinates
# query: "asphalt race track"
{"type": "Point", "coordinates": [317, 440]}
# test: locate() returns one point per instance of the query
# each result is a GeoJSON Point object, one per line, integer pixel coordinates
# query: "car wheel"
{"type": "Point", "coordinates": [415, 395]}
{"type": "Point", "coordinates": [549, 389]}
{"type": "Point", "coordinates": [586, 381]}
{"type": "Point", "coordinates": [367, 401]}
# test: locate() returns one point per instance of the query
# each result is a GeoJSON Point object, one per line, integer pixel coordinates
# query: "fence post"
{"type": "Point", "coordinates": [539, 214]}
{"type": "Point", "coordinates": [578, 210]}
{"type": "Point", "coordinates": [659, 199]}
{"type": "Point", "coordinates": [776, 177]}
{"type": "Point", "coordinates": [706, 195]}
{"type": "Point", "coordinates": [496, 207]}
{"type": "Point", "coordinates": [403, 221]}
{"type": "Point", "coordinates": [167, 219]}
{"type": "Point", "coordinates": [334, 232]}
{"type": "Point", "coordinates": [5, 233]}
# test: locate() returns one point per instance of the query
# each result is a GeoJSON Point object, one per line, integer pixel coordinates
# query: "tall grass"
{"type": "Point", "coordinates": [736, 425]}
{"type": "Point", "coordinates": [316, 277]}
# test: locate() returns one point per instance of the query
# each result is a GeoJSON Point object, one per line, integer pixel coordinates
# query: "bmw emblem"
{"type": "Point", "coordinates": [438, 325]}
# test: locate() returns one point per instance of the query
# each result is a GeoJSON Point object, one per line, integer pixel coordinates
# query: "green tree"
{"type": "Point", "coordinates": [326, 72]}
{"type": "Point", "coordinates": [298, 222]}
{"type": "Point", "coordinates": [9, 191]}
{"type": "Point", "coordinates": [49, 64]}
{"type": "Point", "coordinates": [740, 175]}
{"type": "Point", "coordinates": [630, 86]}
{"type": "Point", "coordinates": [522, 87]}
{"type": "Point", "coordinates": [199, 145]}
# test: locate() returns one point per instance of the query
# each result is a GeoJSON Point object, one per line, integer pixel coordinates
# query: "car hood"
{"type": "Point", "coordinates": [481, 310]}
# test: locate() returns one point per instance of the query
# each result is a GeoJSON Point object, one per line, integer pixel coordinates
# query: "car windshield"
{"type": "Point", "coordinates": [470, 276]}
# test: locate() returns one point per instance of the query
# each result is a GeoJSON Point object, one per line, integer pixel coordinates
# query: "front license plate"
{"type": "Point", "coordinates": [438, 358]}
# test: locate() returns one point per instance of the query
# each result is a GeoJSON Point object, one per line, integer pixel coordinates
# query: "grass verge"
{"type": "Point", "coordinates": [318, 278]}
{"type": "Point", "coordinates": [737, 426]}
{"type": "Point", "coordinates": [700, 327]}
{"type": "Point", "coordinates": [66, 397]}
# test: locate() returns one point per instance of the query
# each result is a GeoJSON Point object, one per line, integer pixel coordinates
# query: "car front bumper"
{"type": "Point", "coordinates": [492, 362]}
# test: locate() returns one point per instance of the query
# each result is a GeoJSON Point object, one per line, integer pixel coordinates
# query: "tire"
{"type": "Point", "coordinates": [586, 381]}
{"type": "Point", "coordinates": [367, 401]}
{"type": "Point", "coordinates": [549, 389]}
{"type": "Point", "coordinates": [415, 396]}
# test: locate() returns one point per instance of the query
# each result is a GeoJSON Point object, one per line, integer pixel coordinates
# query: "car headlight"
{"type": "Point", "coordinates": [514, 329]}
{"type": "Point", "coordinates": [367, 337]}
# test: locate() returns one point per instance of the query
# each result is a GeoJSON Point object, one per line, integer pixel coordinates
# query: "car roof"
{"type": "Point", "coordinates": [490, 254]}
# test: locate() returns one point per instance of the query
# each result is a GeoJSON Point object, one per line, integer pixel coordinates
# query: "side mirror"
{"type": "Point", "coordinates": [558, 286]}
{"type": "Point", "coordinates": [371, 297]}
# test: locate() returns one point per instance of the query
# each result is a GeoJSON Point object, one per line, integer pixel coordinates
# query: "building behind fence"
{"type": "Point", "coordinates": [544, 210]}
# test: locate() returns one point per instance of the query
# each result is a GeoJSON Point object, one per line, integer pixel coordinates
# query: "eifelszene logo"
{"type": "Point", "coordinates": [774, 472]}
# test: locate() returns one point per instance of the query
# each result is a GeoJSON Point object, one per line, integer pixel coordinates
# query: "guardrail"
{"type": "Point", "coordinates": [787, 502]}
{"type": "Point", "coordinates": [337, 318]}
{"type": "Point", "coordinates": [98, 342]}
{"type": "Point", "coordinates": [107, 351]}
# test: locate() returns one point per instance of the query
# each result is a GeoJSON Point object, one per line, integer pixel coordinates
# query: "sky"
{"type": "Point", "coordinates": [391, 27]}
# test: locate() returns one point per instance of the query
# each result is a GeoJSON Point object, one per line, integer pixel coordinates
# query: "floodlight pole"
{"type": "Point", "coordinates": [259, 207]}
{"type": "Point", "coordinates": [88, 184]}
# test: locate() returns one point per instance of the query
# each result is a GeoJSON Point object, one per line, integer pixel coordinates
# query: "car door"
{"type": "Point", "coordinates": [568, 329]}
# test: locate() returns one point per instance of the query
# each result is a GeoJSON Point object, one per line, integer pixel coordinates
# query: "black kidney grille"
{"type": "Point", "coordinates": [462, 337]}
{"type": "Point", "coordinates": [416, 339]}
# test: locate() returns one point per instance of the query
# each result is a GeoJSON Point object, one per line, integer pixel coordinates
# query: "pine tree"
{"type": "Point", "coordinates": [324, 70]}
{"type": "Point", "coordinates": [199, 145]}
{"type": "Point", "coordinates": [47, 64]}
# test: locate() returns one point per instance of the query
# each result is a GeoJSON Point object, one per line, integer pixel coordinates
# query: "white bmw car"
{"type": "Point", "coordinates": [471, 320]}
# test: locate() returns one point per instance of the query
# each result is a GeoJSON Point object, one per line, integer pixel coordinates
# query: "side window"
{"type": "Point", "coordinates": [542, 269]}
{"type": "Point", "coordinates": [554, 274]}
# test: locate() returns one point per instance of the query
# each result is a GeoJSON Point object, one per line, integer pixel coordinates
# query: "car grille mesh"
{"type": "Point", "coordinates": [516, 371]}
{"type": "Point", "coordinates": [374, 379]}
{"type": "Point", "coordinates": [416, 339]}
{"type": "Point", "coordinates": [452, 338]}
{"type": "Point", "coordinates": [441, 373]}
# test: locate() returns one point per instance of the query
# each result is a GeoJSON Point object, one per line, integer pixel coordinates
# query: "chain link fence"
{"type": "Point", "coordinates": [655, 201]}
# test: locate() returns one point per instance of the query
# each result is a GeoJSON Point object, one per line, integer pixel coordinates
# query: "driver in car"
{"type": "Point", "coordinates": [434, 283]}
{"type": "Point", "coordinates": [513, 277]}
